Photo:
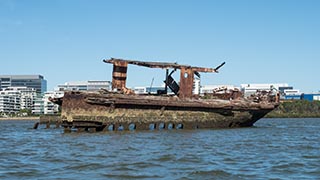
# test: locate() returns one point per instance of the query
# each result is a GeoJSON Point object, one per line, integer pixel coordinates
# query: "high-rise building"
{"type": "Point", "coordinates": [36, 82]}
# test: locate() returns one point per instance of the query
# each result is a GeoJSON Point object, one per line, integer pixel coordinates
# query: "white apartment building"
{"type": "Point", "coordinates": [27, 96]}
{"type": "Point", "coordinates": [38, 105]}
{"type": "Point", "coordinates": [42, 105]}
{"type": "Point", "coordinates": [9, 101]}
{"type": "Point", "coordinates": [48, 106]}
{"type": "Point", "coordinates": [84, 86]}
{"type": "Point", "coordinates": [13, 99]}
{"type": "Point", "coordinates": [196, 86]}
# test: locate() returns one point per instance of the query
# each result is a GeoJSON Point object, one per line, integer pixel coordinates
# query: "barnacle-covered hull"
{"type": "Point", "coordinates": [100, 111]}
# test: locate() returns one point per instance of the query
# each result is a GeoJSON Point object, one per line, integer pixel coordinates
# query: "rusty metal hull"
{"type": "Point", "coordinates": [109, 111]}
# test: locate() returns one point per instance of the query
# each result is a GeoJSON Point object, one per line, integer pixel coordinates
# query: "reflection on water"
{"type": "Point", "coordinates": [274, 148]}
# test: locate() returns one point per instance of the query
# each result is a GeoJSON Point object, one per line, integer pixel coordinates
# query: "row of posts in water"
{"type": "Point", "coordinates": [111, 127]}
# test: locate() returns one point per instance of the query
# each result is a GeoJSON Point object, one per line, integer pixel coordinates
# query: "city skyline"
{"type": "Point", "coordinates": [260, 41]}
{"type": "Point", "coordinates": [106, 84]}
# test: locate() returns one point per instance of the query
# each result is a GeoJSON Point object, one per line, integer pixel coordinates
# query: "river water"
{"type": "Point", "coordinates": [272, 149]}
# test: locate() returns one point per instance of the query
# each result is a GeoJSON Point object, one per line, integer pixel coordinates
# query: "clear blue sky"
{"type": "Point", "coordinates": [66, 40]}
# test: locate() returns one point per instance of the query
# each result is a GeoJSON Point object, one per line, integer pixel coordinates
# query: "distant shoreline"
{"type": "Point", "coordinates": [20, 118]}
{"type": "Point", "coordinates": [36, 118]}
{"type": "Point", "coordinates": [296, 109]}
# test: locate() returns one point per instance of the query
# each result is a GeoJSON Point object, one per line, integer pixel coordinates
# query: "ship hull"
{"type": "Point", "coordinates": [105, 112]}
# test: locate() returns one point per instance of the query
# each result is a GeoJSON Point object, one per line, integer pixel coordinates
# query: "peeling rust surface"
{"type": "Point", "coordinates": [123, 110]}
{"type": "Point", "coordinates": [163, 65]}
{"type": "Point", "coordinates": [186, 83]}
{"type": "Point", "coordinates": [119, 75]}
{"type": "Point", "coordinates": [100, 110]}
{"type": "Point", "coordinates": [187, 73]}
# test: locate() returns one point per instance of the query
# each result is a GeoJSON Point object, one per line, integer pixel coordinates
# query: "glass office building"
{"type": "Point", "coordinates": [31, 81]}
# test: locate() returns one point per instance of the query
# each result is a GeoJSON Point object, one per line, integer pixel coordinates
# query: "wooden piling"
{"type": "Point", "coordinates": [35, 126]}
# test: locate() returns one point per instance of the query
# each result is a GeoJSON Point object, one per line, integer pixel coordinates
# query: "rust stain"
{"type": "Point", "coordinates": [122, 108]}
{"type": "Point", "coordinates": [187, 73]}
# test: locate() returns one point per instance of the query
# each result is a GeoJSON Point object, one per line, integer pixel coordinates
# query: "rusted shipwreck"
{"type": "Point", "coordinates": [122, 109]}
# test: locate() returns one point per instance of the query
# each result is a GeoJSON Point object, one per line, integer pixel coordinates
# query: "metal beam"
{"type": "Point", "coordinates": [163, 65]}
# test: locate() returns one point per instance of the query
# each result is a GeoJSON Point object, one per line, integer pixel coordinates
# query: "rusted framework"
{"type": "Point", "coordinates": [183, 90]}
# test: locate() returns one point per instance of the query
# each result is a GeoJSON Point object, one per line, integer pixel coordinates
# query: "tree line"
{"type": "Point", "coordinates": [296, 109]}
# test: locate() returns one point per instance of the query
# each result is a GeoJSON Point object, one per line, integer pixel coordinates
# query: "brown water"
{"type": "Point", "coordinates": [273, 149]}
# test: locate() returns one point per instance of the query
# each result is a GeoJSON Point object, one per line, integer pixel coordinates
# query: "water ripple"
{"type": "Point", "coordinates": [273, 149]}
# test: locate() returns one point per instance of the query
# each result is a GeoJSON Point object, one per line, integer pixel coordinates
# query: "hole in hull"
{"type": "Point", "coordinates": [162, 126]}
{"type": "Point", "coordinates": [179, 126]}
{"type": "Point", "coordinates": [170, 126]}
{"type": "Point", "coordinates": [111, 127]}
{"type": "Point", "coordinates": [152, 126]}
{"type": "Point", "coordinates": [132, 127]}
{"type": "Point", "coordinates": [120, 128]}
